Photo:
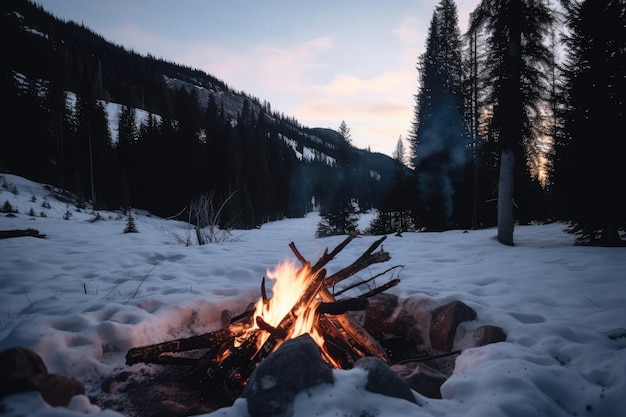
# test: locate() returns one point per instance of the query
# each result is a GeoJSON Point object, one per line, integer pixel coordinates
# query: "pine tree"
{"type": "Point", "coordinates": [395, 211]}
{"type": "Point", "coordinates": [399, 153]}
{"type": "Point", "coordinates": [516, 58]}
{"type": "Point", "coordinates": [588, 165]}
{"type": "Point", "coordinates": [344, 131]}
{"type": "Point", "coordinates": [439, 138]}
{"type": "Point", "coordinates": [131, 227]}
{"type": "Point", "coordinates": [127, 143]}
{"type": "Point", "coordinates": [338, 217]}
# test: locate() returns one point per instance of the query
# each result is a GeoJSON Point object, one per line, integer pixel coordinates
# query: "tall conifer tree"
{"type": "Point", "coordinates": [588, 169]}
{"type": "Point", "coordinates": [439, 139]}
{"type": "Point", "coordinates": [517, 56]}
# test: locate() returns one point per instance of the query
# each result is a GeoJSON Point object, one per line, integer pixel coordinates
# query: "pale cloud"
{"type": "Point", "coordinates": [346, 84]}
{"type": "Point", "coordinates": [262, 68]}
{"type": "Point", "coordinates": [377, 110]}
{"type": "Point", "coordinates": [285, 69]}
{"type": "Point", "coordinates": [410, 31]}
{"type": "Point", "coordinates": [347, 96]}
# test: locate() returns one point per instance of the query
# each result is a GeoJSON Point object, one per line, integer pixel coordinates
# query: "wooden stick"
{"type": "Point", "coordinates": [263, 292]}
{"type": "Point", "coordinates": [342, 306]}
{"type": "Point", "coordinates": [366, 259]}
{"type": "Point", "coordinates": [358, 265]}
{"type": "Point", "coordinates": [151, 353]}
{"type": "Point", "coordinates": [297, 253]}
{"type": "Point", "coordinates": [248, 313]}
{"type": "Point", "coordinates": [380, 289]}
{"type": "Point", "coordinates": [426, 358]}
{"type": "Point", "coordinates": [355, 331]}
{"type": "Point", "coordinates": [340, 351]}
{"type": "Point", "coordinates": [349, 287]}
{"type": "Point", "coordinates": [327, 257]}
{"type": "Point", "coordinates": [263, 325]}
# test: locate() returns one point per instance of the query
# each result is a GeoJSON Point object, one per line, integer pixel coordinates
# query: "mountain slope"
{"type": "Point", "coordinates": [199, 117]}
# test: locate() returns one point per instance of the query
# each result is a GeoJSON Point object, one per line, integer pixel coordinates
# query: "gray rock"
{"type": "Point", "coordinates": [382, 380]}
{"type": "Point", "coordinates": [488, 334]}
{"type": "Point", "coordinates": [275, 382]}
{"type": "Point", "coordinates": [422, 378]}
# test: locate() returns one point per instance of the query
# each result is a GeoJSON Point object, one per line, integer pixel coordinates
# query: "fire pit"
{"type": "Point", "coordinates": [301, 303]}
{"type": "Point", "coordinates": [305, 301]}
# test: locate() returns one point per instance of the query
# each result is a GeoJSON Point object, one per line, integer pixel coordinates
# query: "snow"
{"type": "Point", "coordinates": [87, 293]}
{"type": "Point", "coordinates": [113, 114]}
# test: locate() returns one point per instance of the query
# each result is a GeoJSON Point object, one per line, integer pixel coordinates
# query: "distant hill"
{"type": "Point", "coordinates": [45, 56]}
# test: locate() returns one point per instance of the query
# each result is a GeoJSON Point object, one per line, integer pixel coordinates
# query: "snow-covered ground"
{"type": "Point", "coordinates": [89, 292]}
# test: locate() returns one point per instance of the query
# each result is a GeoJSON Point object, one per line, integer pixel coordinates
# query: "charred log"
{"type": "Point", "coordinates": [151, 353]}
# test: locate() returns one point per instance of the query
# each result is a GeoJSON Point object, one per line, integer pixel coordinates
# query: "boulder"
{"type": "Point", "coordinates": [378, 316]}
{"type": "Point", "coordinates": [19, 365]}
{"type": "Point", "coordinates": [24, 370]}
{"type": "Point", "coordinates": [488, 334]}
{"type": "Point", "coordinates": [273, 385]}
{"type": "Point", "coordinates": [422, 378]}
{"type": "Point", "coordinates": [382, 380]}
{"type": "Point", "coordinates": [57, 390]}
{"type": "Point", "coordinates": [444, 321]}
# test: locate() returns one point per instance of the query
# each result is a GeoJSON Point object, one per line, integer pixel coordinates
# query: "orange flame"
{"type": "Point", "coordinates": [289, 286]}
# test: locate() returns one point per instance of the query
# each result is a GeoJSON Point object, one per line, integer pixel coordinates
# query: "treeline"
{"type": "Point", "coordinates": [163, 163]}
{"type": "Point", "coordinates": [224, 143]}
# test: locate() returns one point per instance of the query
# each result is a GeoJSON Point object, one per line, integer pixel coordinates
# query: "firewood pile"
{"type": "Point", "coordinates": [310, 305]}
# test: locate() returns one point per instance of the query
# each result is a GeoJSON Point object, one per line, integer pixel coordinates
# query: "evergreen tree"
{"type": "Point", "coordinates": [143, 185]}
{"type": "Point", "coordinates": [439, 137]}
{"type": "Point", "coordinates": [339, 216]}
{"type": "Point", "coordinates": [59, 128]}
{"type": "Point", "coordinates": [100, 173]}
{"type": "Point", "coordinates": [344, 131]}
{"type": "Point", "coordinates": [588, 168]}
{"type": "Point", "coordinates": [399, 153]}
{"type": "Point", "coordinates": [395, 211]}
{"type": "Point", "coordinates": [517, 57]}
{"type": "Point", "coordinates": [127, 142]}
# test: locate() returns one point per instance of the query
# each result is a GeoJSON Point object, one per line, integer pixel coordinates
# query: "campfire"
{"type": "Point", "coordinates": [304, 300]}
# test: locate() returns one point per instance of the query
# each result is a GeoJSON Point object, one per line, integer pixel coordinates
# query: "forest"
{"type": "Point", "coordinates": [225, 143]}
{"type": "Point", "coordinates": [518, 120]}
{"type": "Point", "coordinates": [515, 122]}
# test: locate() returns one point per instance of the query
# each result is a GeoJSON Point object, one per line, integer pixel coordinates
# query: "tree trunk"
{"type": "Point", "coordinates": [506, 212]}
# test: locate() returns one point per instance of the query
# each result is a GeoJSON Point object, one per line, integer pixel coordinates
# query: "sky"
{"type": "Point", "coordinates": [321, 62]}
{"type": "Point", "coordinates": [87, 293]}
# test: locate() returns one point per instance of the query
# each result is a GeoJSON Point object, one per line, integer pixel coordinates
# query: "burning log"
{"type": "Point", "coordinates": [371, 346]}
{"type": "Point", "coordinates": [155, 353]}
{"type": "Point", "coordinates": [233, 352]}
